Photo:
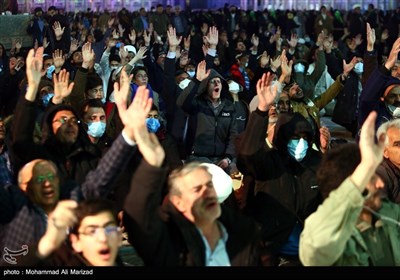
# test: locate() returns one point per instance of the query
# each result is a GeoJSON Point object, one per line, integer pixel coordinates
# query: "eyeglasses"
{"type": "Point", "coordinates": [64, 120]}
{"type": "Point", "coordinates": [215, 81]}
{"type": "Point", "coordinates": [282, 102]}
{"type": "Point", "coordinates": [96, 231]}
{"type": "Point", "coordinates": [40, 179]}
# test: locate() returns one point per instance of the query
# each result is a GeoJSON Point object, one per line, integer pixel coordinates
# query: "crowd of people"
{"type": "Point", "coordinates": [121, 134]}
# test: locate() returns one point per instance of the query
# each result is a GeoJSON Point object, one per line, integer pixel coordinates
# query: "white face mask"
{"type": "Point", "coordinates": [184, 83]}
{"type": "Point", "coordinates": [395, 111]}
{"type": "Point", "coordinates": [246, 65]}
{"type": "Point", "coordinates": [297, 148]}
{"type": "Point", "coordinates": [234, 87]}
{"type": "Point", "coordinates": [299, 68]}
{"type": "Point", "coordinates": [359, 68]}
{"type": "Point", "coordinates": [113, 67]}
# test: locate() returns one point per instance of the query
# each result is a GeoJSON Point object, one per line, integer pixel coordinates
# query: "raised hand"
{"type": "Point", "coordinates": [393, 54]}
{"type": "Point", "coordinates": [201, 72]}
{"type": "Point", "coordinates": [148, 144]}
{"type": "Point", "coordinates": [212, 37]}
{"type": "Point", "coordinates": [58, 59]}
{"type": "Point", "coordinates": [173, 41]}
{"type": "Point", "coordinates": [325, 138]}
{"type": "Point", "coordinates": [293, 40]}
{"type": "Point", "coordinates": [132, 36]}
{"type": "Point", "coordinates": [62, 218]}
{"type": "Point", "coordinates": [186, 43]}
{"type": "Point", "coordinates": [371, 153]}
{"type": "Point", "coordinates": [58, 31]}
{"type": "Point", "coordinates": [34, 65]}
{"type": "Point", "coordinates": [61, 87]}
{"type": "Point", "coordinates": [87, 55]}
{"type": "Point", "coordinates": [370, 38]}
{"type": "Point", "coordinates": [146, 38]}
{"type": "Point", "coordinates": [74, 46]}
{"type": "Point", "coordinates": [265, 92]}
{"type": "Point", "coordinates": [121, 93]}
{"type": "Point", "coordinates": [348, 67]}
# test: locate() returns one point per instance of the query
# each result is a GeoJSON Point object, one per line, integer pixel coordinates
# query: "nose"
{"type": "Point", "coordinates": [379, 184]}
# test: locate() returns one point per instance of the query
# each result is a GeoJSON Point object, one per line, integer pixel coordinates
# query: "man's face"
{"type": "Point", "coordinates": [272, 114]}
{"type": "Point", "coordinates": [392, 149]}
{"type": "Point", "coordinates": [179, 78]}
{"type": "Point", "coordinates": [96, 92]}
{"type": "Point", "coordinates": [283, 103]}
{"type": "Point", "coordinates": [43, 188]}
{"type": "Point", "coordinates": [214, 88]}
{"type": "Point", "coordinates": [77, 58]}
{"type": "Point", "coordinates": [98, 239]}
{"type": "Point", "coordinates": [395, 71]}
{"type": "Point", "coordinates": [48, 62]}
{"type": "Point", "coordinates": [94, 114]}
{"type": "Point", "coordinates": [141, 78]}
{"type": "Point", "coordinates": [198, 200]}
{"type": "Point", "coordinates": [240, 47]}
{"type": "Point", "coordinates": [393, 99]}
{"type": "Point", "coordinates": [65, 127]}
{"type": "Point", "coordinates": [295, 92]}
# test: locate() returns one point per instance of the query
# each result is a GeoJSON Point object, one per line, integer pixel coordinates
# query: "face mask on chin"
{"type": "Point", "coordinates": [297, 148]}
{"type": "Point", "coordinates": [394, 111]}
{"type": "Point", "coordinates": [184, 83]}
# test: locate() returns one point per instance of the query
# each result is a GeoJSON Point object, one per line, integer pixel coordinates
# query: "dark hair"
{"type": "Point", "coordinates": [289, 125]}
{"type": "Point", "coordinates": [114, 57]}
{"type": "Point", "coordinates": [93, 80]}
{"type": "Point", "coordinates": [336, 165]}
{"type": "Point", "coordinates": [90, 207]}
{"type": "Point", "coordinates": [90, 103]}
{"type": "Point", "coordinates": [137, 69]}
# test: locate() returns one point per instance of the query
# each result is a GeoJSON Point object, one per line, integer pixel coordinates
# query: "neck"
{"type": "Point", "coordinates": [235, 97]}
{"type": "Point", "coordinates": [94, 140]}
{"type": "Point", "coordinates": [212, 234]}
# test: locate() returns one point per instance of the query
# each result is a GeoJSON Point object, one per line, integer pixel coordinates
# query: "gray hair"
{"type": "Point", "coordinates": [383, 128]}
{"type": "Point", "coordinates": [173, 178]}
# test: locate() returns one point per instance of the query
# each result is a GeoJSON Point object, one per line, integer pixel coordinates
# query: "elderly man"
{"type": "Point", "coordinates": [192, 228]}
{"type": "Point", "coordinates": [389, 169]}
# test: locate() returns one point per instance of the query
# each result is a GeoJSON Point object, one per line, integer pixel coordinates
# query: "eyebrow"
{"type": "Point", "coordinates": [104, 225]}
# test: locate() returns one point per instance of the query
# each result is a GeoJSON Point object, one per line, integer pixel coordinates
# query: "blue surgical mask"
{"type": "Point", "coordinates": [394, 111]}
{"type": "Point", "coordinates": [191, 73]}
{"type": "Point", "coordinates": [46, 98]}
{"type": "Point", "coordinates": [359, 68]}
{"type": "Point", "coordinates": [50, 70]}
{"type": "Point", "coordinates": [152, 125]}
{"type": "Point", "coordinates": [297, 148]}
{"type": "Point", "coordinates": [96, 129]}
{"type": "Point", "coordinates": [299, 68]}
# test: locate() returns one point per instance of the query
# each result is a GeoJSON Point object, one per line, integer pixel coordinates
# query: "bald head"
{"type": "Point", "coordinates": [26, 172]}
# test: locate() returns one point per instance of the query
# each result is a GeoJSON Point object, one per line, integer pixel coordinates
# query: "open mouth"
{"type": "Point", "coordinates": [48, 193]}
{"type": "Point", "coordinates": [105, 254]}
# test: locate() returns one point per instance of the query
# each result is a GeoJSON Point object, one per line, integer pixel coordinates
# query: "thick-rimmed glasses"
{"type": "Point", "coordinates": [95, 232]}
{"type": "Point", "coordinates": [64, 120]}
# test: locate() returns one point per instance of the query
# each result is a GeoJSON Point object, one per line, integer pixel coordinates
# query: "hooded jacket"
{"type": "Point", "coordinates": [73, 162]}
{"type": "Point", "coordinates": [286, 191]}
{"type": "Point", "coordinates": [213, 132]}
